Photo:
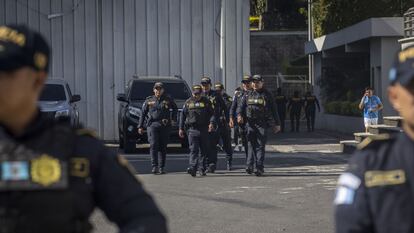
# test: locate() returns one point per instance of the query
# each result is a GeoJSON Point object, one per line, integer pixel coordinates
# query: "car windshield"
{"type": "Point", "coordinates": [141, 90]}
{"type": "Point", "coordinates": [53, 92]}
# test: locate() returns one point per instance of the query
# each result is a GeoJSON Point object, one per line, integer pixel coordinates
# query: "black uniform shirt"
{"type": "Point", "coordinates": [311, 102]}
{"type": "Point", "coordinates": [376, 193]}
{"type": "Point", "coordinates": [157, 109]}
{"type": "Point", "coordinates": [218, 104]}
{"type": "Point", "coordinates": [237, 100]}
{"type": "Point", "coordinates": [54, 176]}
{"type": "Point", "coordinates": [295, 104]}
{"type": "Point", "coordinates": [281, 102]}
{"type": "Point", "coordinates": [197, 113]}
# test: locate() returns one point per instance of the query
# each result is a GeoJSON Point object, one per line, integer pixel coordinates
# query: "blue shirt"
{"type": "Point", "coordinates": [369, 104]}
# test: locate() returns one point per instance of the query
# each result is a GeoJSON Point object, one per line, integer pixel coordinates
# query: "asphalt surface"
{"type": "Point", "coordinates": [295, 195]}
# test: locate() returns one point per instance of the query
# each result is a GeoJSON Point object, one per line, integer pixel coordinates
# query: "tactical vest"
{"type": "Point", "coordinates": [296, 104]}
{"type": "Point", "coordinates": [198, 113]}
{"type": "Point", "coordinates": [158, 110]}
{"type": "Point", "coordinates": [256, 107]}
{"type": "Point", "coordinates": [35, 194]}
{"type": "Point", "coordinates": [310, 102]}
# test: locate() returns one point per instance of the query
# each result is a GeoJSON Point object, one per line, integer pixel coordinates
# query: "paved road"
{"type": "Point", "coordinates": [294, 196]}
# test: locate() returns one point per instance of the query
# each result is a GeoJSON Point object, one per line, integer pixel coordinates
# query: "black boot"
{"type": "Point", "coordinates": [162, 171]}
{"type": "Point", "coordinates": [211, 168]}
{"type": "Point", "coordinates": [154, 170]}
{"type": "Point", "coordinates": [229, 166]}
{"type": "Point", "coordinates": [249, 170]}
{"type": "Point", "coordinates": [192, 171]}
{"type": "Point", "coordinates": [202, 172]}
{"type": "Point", "coordinates": [259, 171]}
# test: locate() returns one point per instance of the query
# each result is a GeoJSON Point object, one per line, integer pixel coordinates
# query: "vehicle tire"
{"type": "Point", "coordinates": [129, 146]}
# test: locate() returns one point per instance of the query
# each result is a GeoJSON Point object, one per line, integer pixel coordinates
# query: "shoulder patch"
{"type": "Point", "coordinates": [374, 140]}
{"type": "Point", "coordinates": [86, 132]}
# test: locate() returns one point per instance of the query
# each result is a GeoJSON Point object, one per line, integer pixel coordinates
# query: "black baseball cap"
{"type": "Point", "coordinates": [159, 85]}
{"type": "Point", "coordinates": [246, 79]}
{"type": "Point", "coordinates": [197, 89]}
{"type": "Point", "coordinates": [206, 80]}
{"type": "Point", "coordinates": [257, 78]}
{"type": "Point", "coordinates": [402, 70]}
{"type": "Point", "coordinates": [22, 47]}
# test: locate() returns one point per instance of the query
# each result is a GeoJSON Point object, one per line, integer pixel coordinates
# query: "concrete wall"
{"type": "Point", "coordinates": [271, 50]}
{"type": "Point", "coordinates": [99, 44]}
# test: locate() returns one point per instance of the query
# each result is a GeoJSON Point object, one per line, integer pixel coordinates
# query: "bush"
{"type": "Point", "coordinates": [344, 108]}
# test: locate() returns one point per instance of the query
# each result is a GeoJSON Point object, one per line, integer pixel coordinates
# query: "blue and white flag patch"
{"type": "Point", "coordinates": [348, 183]}
{"type": "Point", "coordinates": [15, 171]}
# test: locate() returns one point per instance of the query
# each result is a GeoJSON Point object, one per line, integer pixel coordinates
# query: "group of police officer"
{"type": "Point", "coordinates": [52, 175]}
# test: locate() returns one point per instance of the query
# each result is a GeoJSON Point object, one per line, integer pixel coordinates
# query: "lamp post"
{"type": "Point", "coordinates": [310, 38]}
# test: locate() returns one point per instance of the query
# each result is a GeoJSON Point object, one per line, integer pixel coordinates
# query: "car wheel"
{"type": "Point", "coordinates": [129, 146]}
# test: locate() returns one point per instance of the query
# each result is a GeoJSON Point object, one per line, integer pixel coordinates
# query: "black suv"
{"type": "Point", "coordinates": [136, 91]}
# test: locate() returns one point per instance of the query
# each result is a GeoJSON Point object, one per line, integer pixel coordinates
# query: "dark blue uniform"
{"type": "Point", "coordinates": [311, 102]}
{"type": "Point", "coordinates": [260, 111]}
{"type": "Point", "coordinates": [241, 128]}
{"type": "Point", "coordinates": [281, 102]}
{"type": "Point", "coordinates": [54, 176]}
{"type": "Point", "coordinates": [195, 118]}
{"type": "Point", "coordinates": [375, 194]}
{"type": "Point", "coordinates": [224, 130]}
{"type": "Point", "coordinates": [159, 114]}
{"type": "Point", "coordinates": [295, 106]}
{"type": "Point", "coordinates": [219, 108]}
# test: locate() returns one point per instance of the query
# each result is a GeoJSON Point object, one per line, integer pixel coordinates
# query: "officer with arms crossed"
{"type": "Point", "coordinates": [259, 111]}
{"type": "Point", "coordinates": [160, 110]}
{"type": "Point", "coordinates": [53, 176]}
{"type": "Point", "coordinates": [198, 120]}
{"type": "Point", "coordinates": [223, 125]}
{"type": "Point", "coordinates": [219, 107]}
{"type": "Point", "coordinates": [375, 194]}
{"type": "Point", "coordinates": [241, 127]}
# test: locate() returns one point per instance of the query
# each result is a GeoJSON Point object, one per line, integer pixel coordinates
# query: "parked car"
{"type": "Point", "coordinates": [136, 91]}
{"type": "Point", "coordinates": [56, 100]}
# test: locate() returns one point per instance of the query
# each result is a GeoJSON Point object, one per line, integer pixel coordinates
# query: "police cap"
{"type": "Point", "coordinates": [257, 78]}
{"type": "Point", "coordinates": [159, 85]}
{"type": "Point", "coordinates": [196, 89]}
{"type": "Point", "coordinates": [22, 47]}
{"type": "Point", "coordinates": [206, 80]}
{"type": "Point", "coordinates": [402, 70]}
{"type": "Point", "coordinates": [219, 86]}
{"type": "Point", "coordinates": [246, 79]}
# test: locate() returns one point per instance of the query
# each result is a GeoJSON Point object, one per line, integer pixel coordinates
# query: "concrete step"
{"type": "Point", "coordinates": [359, 137]}
{"type": "Point", "coordinates": [395, 121]}
{"type": "Point", "coordinates": [349, 146]}
{"type": "Point", "coordinates": [380, 129]}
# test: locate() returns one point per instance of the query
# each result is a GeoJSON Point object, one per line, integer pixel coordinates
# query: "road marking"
{"type": "Point", "coordinates": [232, 191]}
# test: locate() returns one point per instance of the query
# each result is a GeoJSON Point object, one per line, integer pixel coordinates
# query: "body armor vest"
{"type": "Point", "coordinates": [198, 113]}
{"type": "Point", "coordinates": [256, 107]}
{"type": "Point", "coordinates": [158, 109]}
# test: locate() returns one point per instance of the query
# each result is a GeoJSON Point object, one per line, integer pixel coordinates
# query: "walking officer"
{"type": "Point", "coordinates": [295, 107]}
{"type": "Point", "coordinates": [258, 110]}
{"type": "Point", "coordinates": [219, 107]}
{"type": "Point", "coordinates": [223, 125]}
{"type": "Point", "coordinates": [53, 176]}
{"type": "Point", "coordinates": [311, 102]}
{"type": "Point", "coordinates": [281, 102]}
{"type": "Point", "coordinates": [241, 127]}
{"type": "Point", "coordinates": [159, 110]}
{"type": "Point", "coordinates": [197, 119]}
{"type": "Point", "coordinates": [375, 194]}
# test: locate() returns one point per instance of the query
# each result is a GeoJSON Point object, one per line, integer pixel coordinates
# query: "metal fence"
{"type": "Point", "coordinates": [409, 23]}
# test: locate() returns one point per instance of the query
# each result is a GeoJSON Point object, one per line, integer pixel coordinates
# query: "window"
{"type": "Point", "coordinates": [53, 92]}
{"type": "Point", "coordinates": [177, 90]}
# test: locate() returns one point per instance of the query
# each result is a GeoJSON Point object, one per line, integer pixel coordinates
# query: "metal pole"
{"type": "Point", "coordinates": [310, 38]}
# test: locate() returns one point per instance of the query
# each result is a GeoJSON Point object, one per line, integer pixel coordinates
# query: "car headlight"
{"type": "Point", "coordinates": [134, 111]}
{"type": "Point", "coordinates": [62, 113]}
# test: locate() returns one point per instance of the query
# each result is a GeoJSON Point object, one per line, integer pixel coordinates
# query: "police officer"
{"type": "Point", "coordinates": [198, 120]}
{"type": "Point", "coordinates": [258, 110]}
{"type": "Point", "coordinates": [219, 107]}
{"type": "Point", "coordinates": [240, 127]}
{"type": "Point", "coordinates": [223, 125]}
{"type": "Point", "coordinates": [375, 194]}
{"type": "Point", "coordinates": [311, 102]}
{"type": "Point", "coordinates": [54, 176]}
{"type": "Point", "coordinates": [160, 110]}
{"type": "Point", "coordinates": [281, 102]}
{"type": "Point", "coordinates": [295, 107]}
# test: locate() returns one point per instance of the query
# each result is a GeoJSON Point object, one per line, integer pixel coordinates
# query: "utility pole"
{"type": "Point", "coordinates": [310, 38]}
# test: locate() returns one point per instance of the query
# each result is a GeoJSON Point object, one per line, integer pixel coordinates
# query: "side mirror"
{"type": "Point", "coordinates": [121, 97]}
{"type": "Point", "coordinates": [75, 98]}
